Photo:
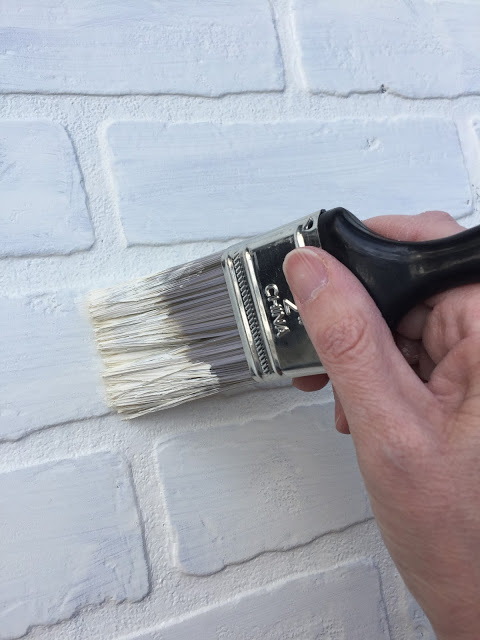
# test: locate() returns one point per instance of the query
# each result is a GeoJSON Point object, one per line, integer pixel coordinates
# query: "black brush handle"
{"type": "Point", "coordinates": [399, 275]}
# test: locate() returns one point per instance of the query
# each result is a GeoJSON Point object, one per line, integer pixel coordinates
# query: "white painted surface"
{"type": "Point", "coordinates": [50, 371]}
{"type": "Point", "coordinates": [422, 627]}
{"type": "Point", "coordinates": [186, 182]}
{"type": "Point", "coordinates": [262, 486]}
{"type": "Point", "coordinates": [424, 48]}
{"type": "Point", "coordinates": [70, 537]}
{"type": "Point", "coordinates": [343, 603]}
{"type": "Point", "coordinates": [173, 46]}
{"type": "Point", "coordinates": [52, 355]}
{"type": "Point", "coordinates": [43, 207]}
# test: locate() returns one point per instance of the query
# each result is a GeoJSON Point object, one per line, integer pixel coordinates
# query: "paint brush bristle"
{"type": "Point", "coordinates": [168, 338]}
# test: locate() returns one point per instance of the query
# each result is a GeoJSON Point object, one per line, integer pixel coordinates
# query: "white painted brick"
{"type": "Point", "coordinates": [192, 182]}
{"type": "Point", "coordinates": [422, 629]}
{"type": "Point", "coordinates": [69, 537]}
{"type": "Point", "coordinates": [172, 46]}
{"type": "Point", "coordinates": [50, 372]}
{"type": "Point", "coordinates": [342, 603]}
{"type": "Point", "coordinates": [425, 48]}
{"type": "Point", "coordinates": [235, 492]}
{"type": "Point", "coordinates": [43, 208]}
{"type": "Point", "coordinates": [476, 128]}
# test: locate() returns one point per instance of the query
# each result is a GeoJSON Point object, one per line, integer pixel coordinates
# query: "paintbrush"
{"type": "Point", "coordinates": [229, 320]}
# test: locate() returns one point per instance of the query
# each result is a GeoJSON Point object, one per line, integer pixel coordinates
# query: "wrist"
{"type": "Point", "coordinates": [464, 630]}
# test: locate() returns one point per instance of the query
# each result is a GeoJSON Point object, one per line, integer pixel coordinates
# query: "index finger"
{"type": "Point", "coordinates": [429, 225]}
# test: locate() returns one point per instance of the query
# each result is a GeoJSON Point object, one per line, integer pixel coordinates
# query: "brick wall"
{"type": "Point", "coordinates": [138, 135]}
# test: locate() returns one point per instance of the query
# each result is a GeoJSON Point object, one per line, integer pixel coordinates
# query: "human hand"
{"type": "Point", "coordinates": [412, 404]}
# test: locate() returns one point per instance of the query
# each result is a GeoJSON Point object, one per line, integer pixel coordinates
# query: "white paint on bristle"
{"type": "Point", "coordinates": [168, 338]}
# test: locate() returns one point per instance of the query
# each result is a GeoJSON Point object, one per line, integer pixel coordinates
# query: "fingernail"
{"type": "Point", "coordinates": [306, 273]}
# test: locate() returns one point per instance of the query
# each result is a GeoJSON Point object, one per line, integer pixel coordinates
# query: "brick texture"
{"type": "Point", "coordinates": [41, 193]}
{"type": "Point", "coordinates": [422, 629]}
{"type": "Point", "coordinates": [344, 603]}
{"type": "Point", "coordinates": [70, 537]}
{"type": "Point", "coordinates": [195, 182]}
{"type": "Point", "coordinates": [417, 49]}
{"type": "Point", "coordinates": [50, 370]}
{"type": "Point", "coordinates": [258, 487]}
{"type": "Point", "coordinates": [173, 46]}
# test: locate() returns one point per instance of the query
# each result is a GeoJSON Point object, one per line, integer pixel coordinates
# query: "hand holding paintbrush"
{"type": "Point", "coordinates": [220, 322]}
{"type": "Point", "coordinates": [414, 412]}
{"type": "Point", "coordinates": [415, 421]}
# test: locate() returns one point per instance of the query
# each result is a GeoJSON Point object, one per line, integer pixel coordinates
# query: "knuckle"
{"type": "Point", "coordinates": [433, 217]}
{"type": "Point", "coordinates": [435, 224]}
{"type": "Point", "coordinates": [456, 317]}
{"type": "Point", "coordinates": [404, 450]}
{"type": "Point", "coordinates": [438, 216]}
{"type": "Point", "coordinates": [347, 337]}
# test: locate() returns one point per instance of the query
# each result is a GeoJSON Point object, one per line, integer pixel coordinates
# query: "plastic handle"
{"type": "Point", "coordinates": [399, 275]}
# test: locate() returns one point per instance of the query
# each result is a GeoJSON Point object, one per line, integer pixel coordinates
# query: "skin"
{"type": "Point", "coordinates": [411, 402]}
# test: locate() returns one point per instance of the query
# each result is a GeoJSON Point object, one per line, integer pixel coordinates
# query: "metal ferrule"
{"type": "Point", "coordinates": [273, 336]}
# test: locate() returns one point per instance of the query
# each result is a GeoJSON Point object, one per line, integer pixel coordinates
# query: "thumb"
{"type": "Point", "coordinates": [351, 337]}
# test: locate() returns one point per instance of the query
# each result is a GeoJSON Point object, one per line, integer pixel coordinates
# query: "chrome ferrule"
{"type": "Point", "coordinates": [273, 336]}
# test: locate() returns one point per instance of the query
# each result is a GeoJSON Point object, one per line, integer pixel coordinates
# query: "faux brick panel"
{"type": "Point", "coordinates": [422, 629]}
{"type": "Point", "coordinates": [341, 603]}
{"type": "Point", "coordinates": [50, 371]}
{"type": "Point", "coordinates": [193, 182]}
{"type": "Point", "coordinates": [43, 208]}
{"type": "Point", "coordinates": [69, 537]}
{"type": "Point", "coordinates": [172, 46]}
{"type": "Point", "coordinates": [238, 491]}
{"type": "Point", "coordinates": [424, 48]}
{"type": "Point", "coordinates": [476, 128]}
